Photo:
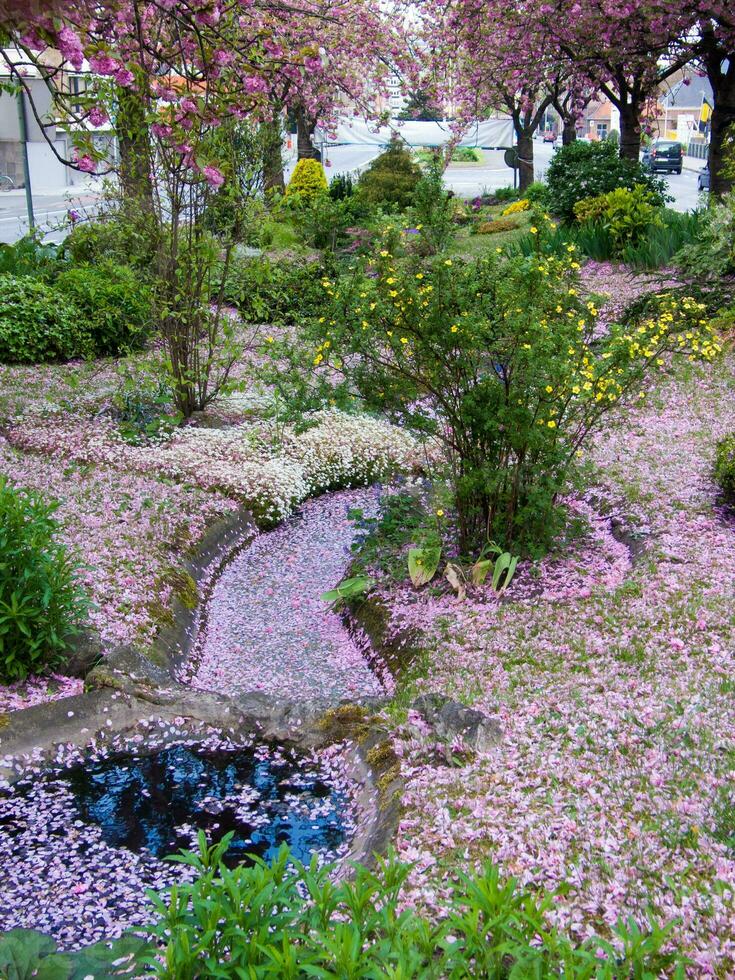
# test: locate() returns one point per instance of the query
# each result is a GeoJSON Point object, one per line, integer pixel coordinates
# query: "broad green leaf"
{"type": "Point", "coordinates": [422, 564]}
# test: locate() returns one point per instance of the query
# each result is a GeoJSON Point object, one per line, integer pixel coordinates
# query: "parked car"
{"type": "Point", "coordinates": [664, 156]}
{"type": "Point", "coordinates": [703, 179]}
{"type": "Point", "coordinates": [550, 136]}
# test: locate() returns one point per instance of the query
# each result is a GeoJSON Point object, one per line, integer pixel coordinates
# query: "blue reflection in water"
{"type": "Point", "coordinates": [144, 802]}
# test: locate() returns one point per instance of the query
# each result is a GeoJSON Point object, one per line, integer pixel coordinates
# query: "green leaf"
{"type": "Point", "coordinates": [422, 564]}
{"type": "Point", "coordinates": [349, 589]}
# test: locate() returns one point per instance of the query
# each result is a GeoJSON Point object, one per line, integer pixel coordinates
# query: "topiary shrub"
{"type": "Point", "coordinates": [391, 178]}
{"type": "Point", "coordinates": [308, 180]}
{"type": "Point", "coordinates": [40, 600]}
{"type": "Point", "coordinates": [115, 304]}
{"type": "Point", "coordinates": [38, 323]}
{"type": "Point", "coordinates": [725, 466]}
{"type": "Point", "coordinates": [583, 170]}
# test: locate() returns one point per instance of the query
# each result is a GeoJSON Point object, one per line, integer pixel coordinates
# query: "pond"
{"type": "Point", "coordinates": [79, 844]}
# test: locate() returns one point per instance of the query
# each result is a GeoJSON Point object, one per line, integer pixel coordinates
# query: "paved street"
{"type": "Point", "coordinates": [50, 212]}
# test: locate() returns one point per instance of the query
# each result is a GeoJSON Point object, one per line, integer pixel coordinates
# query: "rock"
{"type": "Point", "coordinates": [449, 719]}
{"type": "Point", "coordinates": [82, 654]}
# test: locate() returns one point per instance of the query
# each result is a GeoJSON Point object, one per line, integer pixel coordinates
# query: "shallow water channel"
{"type": "Point", "coordinates": [266, 628]}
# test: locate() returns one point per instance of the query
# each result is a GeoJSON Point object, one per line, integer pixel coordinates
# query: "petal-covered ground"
{"type": "Point", "coordinates": [267, 627]}
{"type": "Point", "coordinates": [616, 774]}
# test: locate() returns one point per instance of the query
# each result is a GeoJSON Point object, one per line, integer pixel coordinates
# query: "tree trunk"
{"type": "Point", "coordinates": [131, 128]}
{"type": "Point", "coordinates": [569, 131]}
{"type": "Point", "coordinates": [272, 159]}
{"type": "Point", "coordinates": [722, 81]}
{"type": "Point", "coordinates": [525, 159]}
{"type": "Point", "coordinates": [630, 130]}
{"type": "Point", "coordinates": [304, 131]}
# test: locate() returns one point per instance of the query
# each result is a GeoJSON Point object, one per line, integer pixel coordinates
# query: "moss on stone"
{"type": "Point", "coordinates": [183, 588]}
{"type": "Point", "coordinates": [385, 784]}
{"type": "Point", "coordinates": [347, 722]}
{"type": "Point", "coordinates": [382, 756]}
{"type": "Point", "coordinates": [4, 720]}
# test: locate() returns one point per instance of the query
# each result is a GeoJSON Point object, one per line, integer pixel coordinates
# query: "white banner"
{"type": "Point", "coordinates": [488, 134]}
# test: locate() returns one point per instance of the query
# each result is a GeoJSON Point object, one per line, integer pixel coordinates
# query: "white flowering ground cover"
{"type": "Point", "coordinates": [130, 512]}
{"type": "Point", "coordinates": [614, 686]}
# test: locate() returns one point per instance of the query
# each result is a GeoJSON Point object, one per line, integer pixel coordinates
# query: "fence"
{"type": "Point", "coordinates": [698, 150]}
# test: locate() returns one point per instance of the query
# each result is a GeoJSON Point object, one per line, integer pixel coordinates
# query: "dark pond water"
{"type": "Point", "coordinates": [156, 803]}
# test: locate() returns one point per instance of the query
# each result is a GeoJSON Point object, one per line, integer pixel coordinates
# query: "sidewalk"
{"type": "Point", "coordinates": [694, 164]}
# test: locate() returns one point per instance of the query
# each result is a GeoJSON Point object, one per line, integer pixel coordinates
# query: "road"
{"type": "Point", "coordinates": [51, 208]}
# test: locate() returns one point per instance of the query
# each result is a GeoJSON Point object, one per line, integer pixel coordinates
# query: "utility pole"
{"type": "Point", "coordinates": [23, 127]}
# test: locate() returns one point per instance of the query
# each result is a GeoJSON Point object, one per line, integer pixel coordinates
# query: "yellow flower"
{"type": "Point", "coordinates": [447, 261]}
{"type": "Point", "coordinates": [404, 340]}
{"type": "Point", "coordinates": [269, 339]}
{"type": "Point", "coordinates": [440, 513]}
{"type": "Point", "coordinates": [549, 389]}
{"type": "Point", "coordinates": [551, 424]}
{"type": "Point", "coordinates": [455, 328]}
{"type": "Point", "coordinates": [534, 230]}
{"type": "Point", "coordinates": [384, 254]}
{"type": "Point", "coordinates": [419, 275]}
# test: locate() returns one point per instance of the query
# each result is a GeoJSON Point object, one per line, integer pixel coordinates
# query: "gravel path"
{"type": "Point", "coordinates": [267, 629]}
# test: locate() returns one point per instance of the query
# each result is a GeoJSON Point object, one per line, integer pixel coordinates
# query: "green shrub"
{"type": "Point", "coordinates": [725, 466]}
{"type": "Point", "coordinates": [115, 305]}
{"type": "Point", "coordinates": [627, 214]}
{"type": "Point", "coordinates": [119, 238]}
{"type": "Point", "coordinates": [582, 170]}
{"type": "Point", "coordinates": [391, 178]}
{"type": "Point", "coordinates": [432, 212]}
{"type": "Point", "coordinates": [537, 193]}
{"type": "Point", "coordinates": [511, 422]}
{"type": "Point", "coordinates": [663, 241]}
{"type": "Point", "coordinates": [308, 179]}
{"type": "Point", "coordinates": [341, 186]}
{"type": "Point", "coordinates": [39, 323]}
{"type": "Point", "coordinates": [40, 601]}
{"type": "Point", "coordinates": [712, 253]}
{"type": "Point", "coordinates": [274, 292]}
{"type": "Point", "coordinates": [284, 920]}
{"type": "Point", "coordinates": [503, 194]}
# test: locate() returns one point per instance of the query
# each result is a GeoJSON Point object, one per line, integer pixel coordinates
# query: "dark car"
{"type": "Point", "coordinates": [663, 156]}
{"type": "Point", "coordinates": [703, 179]}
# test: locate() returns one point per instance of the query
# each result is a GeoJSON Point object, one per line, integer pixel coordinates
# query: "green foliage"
{"type": "Point", "coordinates": [323, 220]}
{"type": "Point", "coordinates": [30, 256]}
{"type": "Point", "coordinates": [391, 178]}
{"type": "Point", "coordinates": [39, 323]}
{"type": "Point", "coordinates": [627, 214]}
{"type": "Point", "coordinates": [432, 211]}
{"type": "Point", "coordinates": [348, 588]}
{"type": "Point", "coordinates": [144, 410]}
{"type": "Point", "coordinates": [341, 186]}
{"type": "Point", "coordinates": [274, 292]}
{"type": "Point", "coordinates": [40, 600]}
{"type": "Point", "coordinates": [115, 305]}
{"type": "Point", "coordinates": [537, 193]}
{"type": "Point", "coordinates": [503, 194]}
{"type": "Point", "coordinates": [725, 466]}
{"type": "Point", "coordinates": [663, 241]}
{"type": "Point", "coordinates": [286, 920]}
{"type": "Point", "coordinates": [120, 238]}
{"type": "Point", "coordinates": [29, 955]}
{"type": "Point", "coordinates": [712, 254]}
{"type": "Point", "coordinates": [423, 564]}
{"type": "Point", "coordinates": [308, 179]}
{"type": "Point", "coordinates": [499, 361]}
{"type": "Point", "coordinates": [582, 170]}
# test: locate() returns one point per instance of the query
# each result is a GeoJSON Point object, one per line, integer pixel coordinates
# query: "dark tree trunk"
{"type": "Point", "coordinates": [131, 128]}
{"type": "Point", "coordinates": [272, 159]}
{"type": "Point", "coordinates": [525, 159]}
{"type": "Point", "coordinates": [569, 131]}
{"type": "Point", "coordinates": [305, 127]}
{"type": "Point", "coordinates": [630, 130]}
{"type": "Point", "coordinates": [720, 66]}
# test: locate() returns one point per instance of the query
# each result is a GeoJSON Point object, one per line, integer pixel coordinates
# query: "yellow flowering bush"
{"type": "Point", "coordinates": [501, 361]}
{"type": "Point", "coordinates": [493, 227]}
{"type": "Point", "coordinates": [517, 206]}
